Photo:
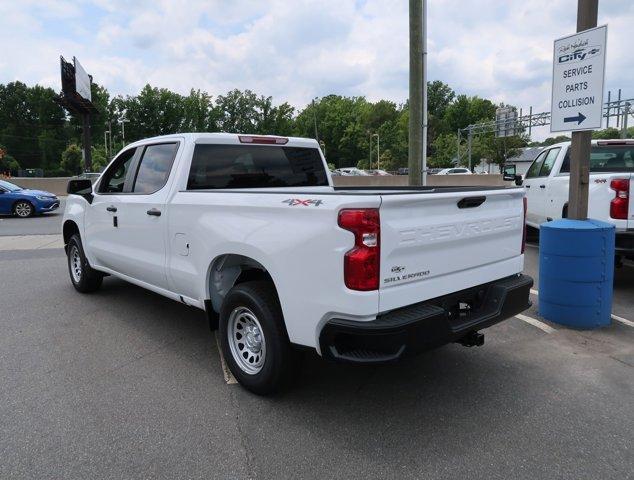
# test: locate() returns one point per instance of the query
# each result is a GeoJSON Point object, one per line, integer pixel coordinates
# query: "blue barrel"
{"type": "Point", "coordinates": [576, 270]}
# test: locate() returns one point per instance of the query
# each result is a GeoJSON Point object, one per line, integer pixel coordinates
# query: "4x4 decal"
{"type": "Point", "coordinates": [292, 202]}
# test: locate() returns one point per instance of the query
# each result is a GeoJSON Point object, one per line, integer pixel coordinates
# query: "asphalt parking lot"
{"type": "Point", "coordinates": [127, 384]}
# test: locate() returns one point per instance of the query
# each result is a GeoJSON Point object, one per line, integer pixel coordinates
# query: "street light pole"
{"type": "Point", "coordinates": [378, 151]}
{"type": "Point", "coordinates": [587, 11]}
{"type": "Point", "coordinates": [123, 121]}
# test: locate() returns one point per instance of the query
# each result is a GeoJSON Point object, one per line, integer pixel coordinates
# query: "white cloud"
{"type": "Point", "coordinates": [297, 50]}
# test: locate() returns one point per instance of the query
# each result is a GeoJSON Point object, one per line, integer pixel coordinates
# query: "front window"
{"type": "Point", "coordinates": [9, 187]}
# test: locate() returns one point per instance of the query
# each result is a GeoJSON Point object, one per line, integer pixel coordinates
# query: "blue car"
{"type": "Point", "coordinates": [15, 200]}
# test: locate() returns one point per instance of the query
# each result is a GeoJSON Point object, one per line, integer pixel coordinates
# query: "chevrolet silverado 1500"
{"type": "Point", "coordinates": [252, 230]}
{"type": "Point", "coordinates": [611, 181]}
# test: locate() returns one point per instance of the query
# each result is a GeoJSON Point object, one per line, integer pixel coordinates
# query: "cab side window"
{"type": "Point", "coordinates": [114, 179]}
{"type": "Point", "coordinates": [549, 161]}
{"type": "Point", "coordinates": [533, 171]}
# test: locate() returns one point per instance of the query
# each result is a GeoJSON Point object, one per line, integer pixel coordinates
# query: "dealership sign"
{"type": "Point", "coordinates": [578, 77]}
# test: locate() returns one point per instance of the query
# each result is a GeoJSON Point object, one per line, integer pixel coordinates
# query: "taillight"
{"type": "Point", "coordinates": [524, 231]}
{"type": "Point", "coordinates": [619, 205]}
{"type": "Point", "coordinates": [361, 264]}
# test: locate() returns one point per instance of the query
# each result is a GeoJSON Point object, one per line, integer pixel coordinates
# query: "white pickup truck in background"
{"type": "Point", "coordinates": [251, 230]}
{"type": "Point", "coordinates": [610, 191]}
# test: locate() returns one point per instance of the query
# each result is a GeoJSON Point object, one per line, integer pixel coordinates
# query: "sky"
{"type": "Point", "coordinates": [295, 50]}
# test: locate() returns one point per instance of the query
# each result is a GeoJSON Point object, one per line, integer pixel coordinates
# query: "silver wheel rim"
{"type": "Point", "coordinates": [23, 209]}
{"type": "Point", "coordinates": [75, 264]}
{"type": "Point", "coordinates": [246, 340]}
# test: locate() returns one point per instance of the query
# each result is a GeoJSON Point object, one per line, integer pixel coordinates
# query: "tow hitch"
{"type": "Point", "coordinates": [472, 339]}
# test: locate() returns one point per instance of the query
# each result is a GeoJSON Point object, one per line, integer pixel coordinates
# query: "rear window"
{"type": "Point", "coordinates": [249, 166]}
{"type": "Point", "coordinates": [616, 158]}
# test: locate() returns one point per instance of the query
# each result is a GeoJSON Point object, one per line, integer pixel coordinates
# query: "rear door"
{"type": "Point", "coordinates": [437, 243]}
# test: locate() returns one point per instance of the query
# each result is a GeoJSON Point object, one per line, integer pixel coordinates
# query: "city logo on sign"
{"type": "Point", "coordinates": [579, 54]}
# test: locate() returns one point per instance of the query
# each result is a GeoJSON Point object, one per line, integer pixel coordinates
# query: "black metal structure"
{"type": "Point", "coordinates": [77, 105]}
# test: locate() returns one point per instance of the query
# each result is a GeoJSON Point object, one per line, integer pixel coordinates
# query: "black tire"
{"type": "Point", "coordinates": [281, 361]}
{"type": "Point", "coordinates": [83, 277]}
{"type": "Point", "coordinates": [23, 209]}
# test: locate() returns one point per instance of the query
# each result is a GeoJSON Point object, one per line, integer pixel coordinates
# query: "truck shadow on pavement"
{"type": "Point", "coordinates": [451, 408]}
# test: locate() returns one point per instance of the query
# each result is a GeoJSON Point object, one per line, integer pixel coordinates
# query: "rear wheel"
{"type": "Point", "coordinates": [83, 277]}
{"type": "Point", "coordinates": [253, 338]}
{"type": "Point", "coordinates": [23, 209]}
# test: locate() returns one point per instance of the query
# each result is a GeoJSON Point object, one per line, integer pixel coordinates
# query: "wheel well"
{"type": "Point", "coordinates": [564, 211]}
{"type": "Point", "coordinates": [229, 270]}
{"type": "Point", "coordinates": [70, 228]}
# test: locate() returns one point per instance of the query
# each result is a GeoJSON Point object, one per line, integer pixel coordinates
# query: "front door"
{"type": "Point", "coordinates": [534, 193]}
{"type": "Point", "coordinates": [107, 212]}
{"type": "Point", "coordinates": [145, 223]}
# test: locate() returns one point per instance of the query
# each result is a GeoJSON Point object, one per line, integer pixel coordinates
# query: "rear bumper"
{"type": "Point", "coordinates": [426, 325]}
{"type": "Point", "coordinates": [625, 242]}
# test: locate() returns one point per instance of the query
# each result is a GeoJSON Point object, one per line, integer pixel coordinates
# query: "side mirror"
{"type": "Point", "coordinates": [509, 173]}
{"type": "Point", "coordinates": [81, 187]}
{"type": "Point", "coordinates": [519, 180]}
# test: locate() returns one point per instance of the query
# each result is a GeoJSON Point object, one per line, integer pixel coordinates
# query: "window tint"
{"type": "Point", "coordinates": [114, 178]}
{"type": "Point", "coordinates": [155, 167]}
{"type": "Point", "coordinates": [549, 162]}
{"type": "Point", "coordinates": [609, 158]}
{"type": "Point", "coordinates": [533, 171]}
{"type": "Point", "coordinates": [249, 166]}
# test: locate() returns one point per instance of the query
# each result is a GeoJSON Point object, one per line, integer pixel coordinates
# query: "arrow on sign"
{"type": "Point", "coordinates": [579, 118]}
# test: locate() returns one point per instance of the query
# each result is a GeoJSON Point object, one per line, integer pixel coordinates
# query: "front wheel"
{"type": "Point", "coordinates": [253, 338]}
{"type": "Point", "coordinates": [83, 277]}
{"type": "Point", "coordinates": [23, 209]}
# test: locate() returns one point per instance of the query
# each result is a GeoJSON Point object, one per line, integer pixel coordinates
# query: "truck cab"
{"type": "Point", "coordinates": [611, 183]}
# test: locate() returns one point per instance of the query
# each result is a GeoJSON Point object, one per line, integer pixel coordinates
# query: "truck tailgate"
{"type": "Point", "coordinates": [433, 244]}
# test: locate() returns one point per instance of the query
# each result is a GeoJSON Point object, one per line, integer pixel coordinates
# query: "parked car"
{"type": "Point", "coordinates": [23, 202]}
{"type": "Point", "coordinates": [433, 171]}
{"type": "Point", "coordinates": [251, 230]}
{"type": "Point", "coordinates": [380, 173]}
{"type": "Point", "coordinates": [352, 171]}
{"type": "Point", "coordinates": [454, 171]}
{"type": "Point", "coordinates": [403, 171]}
{"type": "Point", "coordinates": [547, 182]}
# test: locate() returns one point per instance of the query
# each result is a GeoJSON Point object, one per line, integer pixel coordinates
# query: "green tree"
{"type": "Point", "coordinates": [72, 160]}
{"type": "Point", "coordinates": [606, 134]}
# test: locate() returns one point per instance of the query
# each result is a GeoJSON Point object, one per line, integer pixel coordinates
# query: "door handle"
{"type": "Point", "coordinates": [154, 212]}
{"type": "Point", "coordinates": [111, 209]}
{"type": "Point", "coordinates": [527, 186]}
{"type": "Point", "coordinates": [542, 186]}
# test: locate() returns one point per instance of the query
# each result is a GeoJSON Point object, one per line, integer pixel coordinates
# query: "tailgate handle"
{"type": "Point", "coordinates": [471, 202]}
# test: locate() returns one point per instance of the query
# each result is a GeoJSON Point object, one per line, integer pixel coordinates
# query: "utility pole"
{"type": "Point", "coordinates": [424, 161]}
{"type": "Point", "coordinates": [587, 12]}
{"type": "Point", "coordinates": [415, 91]}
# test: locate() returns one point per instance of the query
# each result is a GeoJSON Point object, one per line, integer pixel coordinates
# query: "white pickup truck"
{"type": "Point", "coordinates": [252, 230]}
{"type": "Point", "coordinates": [611, 181]}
